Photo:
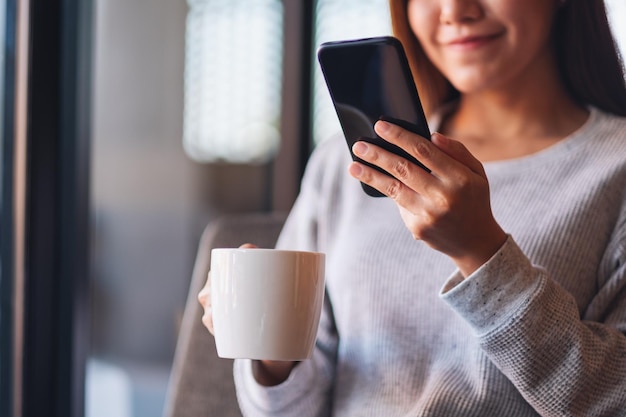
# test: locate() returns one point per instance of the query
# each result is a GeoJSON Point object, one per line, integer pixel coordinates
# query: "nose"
{"type": "Point", "coordinates": [460, 11]}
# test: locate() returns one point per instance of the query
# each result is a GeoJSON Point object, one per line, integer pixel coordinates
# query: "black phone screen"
{"type": "Point", "coordinates": [368, 80]}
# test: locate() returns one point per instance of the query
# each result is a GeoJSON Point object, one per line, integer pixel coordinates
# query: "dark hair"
{"type": "Point", "coordinates": [587, 55]}
{"type": "Point", "coordinates": [585, 51]}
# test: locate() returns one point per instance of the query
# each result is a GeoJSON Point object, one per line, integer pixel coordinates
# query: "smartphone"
{"type": "Point", "coordinates": [369, 80]}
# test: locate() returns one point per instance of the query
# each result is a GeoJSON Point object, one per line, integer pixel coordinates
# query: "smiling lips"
{"type": "Point", "coordinates": [471, 42]}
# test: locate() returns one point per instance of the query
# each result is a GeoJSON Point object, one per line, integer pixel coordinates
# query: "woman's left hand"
{"type": "Point", "coordinates": [448, 208]}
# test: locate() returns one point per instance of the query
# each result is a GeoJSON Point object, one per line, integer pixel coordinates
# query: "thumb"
{"type": "Point", "coordinates": [458, 151]}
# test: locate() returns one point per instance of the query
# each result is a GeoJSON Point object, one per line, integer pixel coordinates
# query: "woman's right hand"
{"type": "Point", "coordinates": [204, 298]}
{"type": "Point", "coordinates": [266, 373]}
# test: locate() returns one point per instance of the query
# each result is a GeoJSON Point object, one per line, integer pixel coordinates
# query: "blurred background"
{"type": "Point", "coordinates": [187, 99]}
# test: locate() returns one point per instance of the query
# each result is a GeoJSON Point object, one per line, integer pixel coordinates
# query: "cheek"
{"type": "Point", "coordinates": [422, 19]}
{"type": "Point", "coordinates": [530, 22]}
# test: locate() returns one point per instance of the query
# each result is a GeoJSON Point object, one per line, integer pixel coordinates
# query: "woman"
{"type": "Point", "coordinates": [519, 229]}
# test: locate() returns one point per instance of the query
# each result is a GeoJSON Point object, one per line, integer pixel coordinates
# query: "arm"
{"type": "Point", "coordinates": [528, 325]}
{"type": "Point", "coordinates": [306, 389]}
{"type": "Point", "coordinates": [306, 392]}
{"type": "Point", "coordinates": [271, 373]}
{"type": "Point", "coordinates": [531, 329]}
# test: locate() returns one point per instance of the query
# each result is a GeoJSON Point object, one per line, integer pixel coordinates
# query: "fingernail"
{"type": "Point", "coordinates": [355, 169]}
{"type": "Point", "coordinates": [381, 126]}
{"type": "Point", "coordinates": [359, 148]}
{"type": "Point", "coordinates": [438, 138]}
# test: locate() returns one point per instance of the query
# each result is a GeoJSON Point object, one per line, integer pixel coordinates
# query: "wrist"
{"type": "Point", "coordinates": [481, 252]}
{"type": "Point", "coordinates": [270, 373]}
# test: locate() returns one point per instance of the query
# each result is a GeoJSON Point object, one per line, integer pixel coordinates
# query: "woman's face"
{"type": "Point", "coordinates": [484, 44]}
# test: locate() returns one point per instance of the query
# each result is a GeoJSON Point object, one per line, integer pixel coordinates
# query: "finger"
{"type": "Point", "coordinates": [391, 187]}
{"type": "Point", "coordinates": [409, 174]}
{"type": "Point", "coordinates": [205, 293]}
{"type": "Point", "coordinates": [248, 246]}
{"type": "Point", "coordinates": [207, 320]}
{"type": "Point", "coordinates": [204, 297]}
{"type": "Point", "coordinates": [419, 147]}
{"type": "Point", "coordinates": [458, 152]}
{"type": "Point", "coordinates": [442, 157]}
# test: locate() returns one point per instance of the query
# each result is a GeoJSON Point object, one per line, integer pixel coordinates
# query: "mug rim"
{"type": "Point", "coordinates": [268, 250]}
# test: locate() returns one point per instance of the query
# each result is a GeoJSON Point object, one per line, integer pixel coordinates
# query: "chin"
{"type": "Point", "coordinates": [474, 81]}
{"type": "Point", "coordinates": [470, 86]}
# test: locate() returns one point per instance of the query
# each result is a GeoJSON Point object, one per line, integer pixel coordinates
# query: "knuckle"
{"type": "Point", "coordinates": [373, 155]}
{"type": "Point", "coordinates": [204, 296]}
{"type": "Point", "coordinates": [393, 189]}
{"type": "Point", "coordinates": [366, 176]}
{"type": "Point", "coordinates": [429, 228]}
{"type": "Point", "coordinates": [462, 181]}
{"type": "Point", "coordinates": [207, 321]}
{"type": "Point", "coordinates": [419, 231]}
{"type": "Point", "coordinates": [401, 169]}
{"type": "Point", "coordinates": [402, 134]}
{"type": "Point", "coordinates": [422, 149]}
{"type": "Point", "coordinates": [441, 202]}
{"type": "Point", "coordinates": [417, 234]}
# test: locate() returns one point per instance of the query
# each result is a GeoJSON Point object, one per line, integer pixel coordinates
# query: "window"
{"type": "Point", "coordinates": [339, 20]}
{"type": "Point", "coordinates": [232, 110]}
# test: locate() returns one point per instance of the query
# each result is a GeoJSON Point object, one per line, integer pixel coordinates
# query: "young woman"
{"type": "Point", "coordinates": [495, 285]}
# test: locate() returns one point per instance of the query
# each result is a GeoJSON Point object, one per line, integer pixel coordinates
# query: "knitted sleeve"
{"type": "Point", "coordinates": [532, 330]}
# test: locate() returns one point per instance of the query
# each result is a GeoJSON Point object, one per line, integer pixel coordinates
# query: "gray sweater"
{"type": "Point", "coordinates": [538, 330]}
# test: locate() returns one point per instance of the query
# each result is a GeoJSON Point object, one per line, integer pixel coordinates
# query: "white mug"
{"type": "Point", "coordinates": [266, 303]}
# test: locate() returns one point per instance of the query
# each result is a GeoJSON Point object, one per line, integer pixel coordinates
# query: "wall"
{"type": "Point", "coordinates": [149, 201]}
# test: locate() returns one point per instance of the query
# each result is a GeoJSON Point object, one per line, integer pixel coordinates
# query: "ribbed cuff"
{"type": "Point", "coordinates": [496, 292]}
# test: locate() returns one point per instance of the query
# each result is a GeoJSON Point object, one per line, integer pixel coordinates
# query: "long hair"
{"type": "Point", "coordinates": [585, 51]}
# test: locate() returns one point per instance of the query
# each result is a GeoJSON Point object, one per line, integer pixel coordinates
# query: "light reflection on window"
{"type": "Point", "coordinates": [233, 71]}
{"type": "Point", "coordinates": [339, 20]}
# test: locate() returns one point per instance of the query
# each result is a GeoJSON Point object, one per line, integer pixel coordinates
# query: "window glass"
{"type": "Point", "coordinates": [150, 202]}
{"type": "Point", "coordinates": [232, 110]}
{"type": "Point", "coordinates": [339, 20]}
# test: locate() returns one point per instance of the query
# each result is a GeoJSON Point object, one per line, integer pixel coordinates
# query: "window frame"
{"type": "Point", "coordinates": [45, 248]}
{"type": "Point", "coordinates": [6, 219]}
{"type": "Point", "coordinates": [296, 130]}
